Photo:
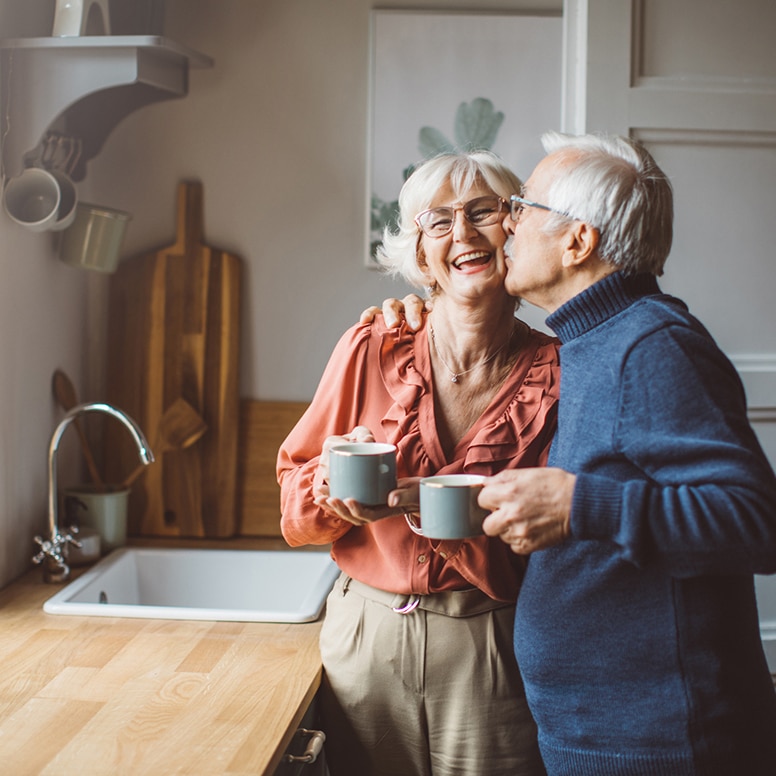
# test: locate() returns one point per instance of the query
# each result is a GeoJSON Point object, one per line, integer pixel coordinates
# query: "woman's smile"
{"type": "Point", "coordinates": [473, 261]}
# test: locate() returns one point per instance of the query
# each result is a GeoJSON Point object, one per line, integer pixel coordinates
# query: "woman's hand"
{"type": "Point", "coordinates": [410, 309]}
{"type": "Point", "coordinates": [321, 478]}
{"type": "Point", "coordinates": [405, 498]}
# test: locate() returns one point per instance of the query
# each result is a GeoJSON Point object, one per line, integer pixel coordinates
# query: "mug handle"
{"type": "Point", "coordinates": [414, 527]}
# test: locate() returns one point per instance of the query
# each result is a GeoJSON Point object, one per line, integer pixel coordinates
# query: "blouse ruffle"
{"type": "Point", "coordinates": [509, 427]}
{"type": "Point", "coordinates": [382, 378]}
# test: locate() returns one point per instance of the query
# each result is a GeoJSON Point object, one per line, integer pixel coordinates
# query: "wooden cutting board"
{"type": "Point", "coordinates": [173, 331]}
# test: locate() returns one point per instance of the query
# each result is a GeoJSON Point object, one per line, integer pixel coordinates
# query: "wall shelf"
{"type": "Point", "coordinates": [83, 87]}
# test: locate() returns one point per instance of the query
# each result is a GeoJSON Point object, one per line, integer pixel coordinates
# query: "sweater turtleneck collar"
{"type": "Point", "coordinates": [600, 302]}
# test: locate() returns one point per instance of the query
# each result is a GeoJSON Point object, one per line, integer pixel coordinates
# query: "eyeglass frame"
{"type": "Point", "coordinates": [515, 216]}
{"type": "Point", "coordinates": [501, 203]}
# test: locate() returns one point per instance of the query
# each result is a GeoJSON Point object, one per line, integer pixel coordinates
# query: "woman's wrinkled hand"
{"type": "Point", "coordinates": [321, 478]}
{"type": "Point", "coordinates": [404, 498]}
{"type": "Point", "coordinates": [409, 309]}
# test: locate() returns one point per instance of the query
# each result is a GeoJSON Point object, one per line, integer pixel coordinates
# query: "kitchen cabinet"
{"type": "Point", "coordinates": [309, 727]}
{"type": "Point", "coordinates": [82, 87]}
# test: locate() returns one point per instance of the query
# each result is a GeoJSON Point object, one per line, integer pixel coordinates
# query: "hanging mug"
{"type": "Point", "coordinates": [32, 199]}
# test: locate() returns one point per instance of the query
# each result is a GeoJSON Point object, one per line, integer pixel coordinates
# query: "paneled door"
{"type": "Point", "coordinates": [696, 82]}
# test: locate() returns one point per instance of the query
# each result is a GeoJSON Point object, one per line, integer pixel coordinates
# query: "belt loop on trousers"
{"type": "Point", "coordinates": [410, 606]}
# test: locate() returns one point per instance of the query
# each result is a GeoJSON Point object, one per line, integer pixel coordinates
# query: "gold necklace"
{"type": "Point", "coordinates": [455, 375]}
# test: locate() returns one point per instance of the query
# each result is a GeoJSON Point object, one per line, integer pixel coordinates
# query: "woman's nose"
{"type": "Point", "coordinates": [462, 227]}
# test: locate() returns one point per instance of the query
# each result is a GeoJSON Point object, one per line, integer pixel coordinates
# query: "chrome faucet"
{"type": "Point", "coordinates": [53, 550]}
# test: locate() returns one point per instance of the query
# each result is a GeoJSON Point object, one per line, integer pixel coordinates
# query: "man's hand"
{"type": "Point", "coordinates": [531, 508]}
{"type": "Point", "coordinates": [410, 308]}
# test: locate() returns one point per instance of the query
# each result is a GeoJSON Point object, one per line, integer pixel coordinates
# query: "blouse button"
{"type": "Point", "coordinates": [443, 555]}
{"type": "Point", "coordinates": [421, 558]}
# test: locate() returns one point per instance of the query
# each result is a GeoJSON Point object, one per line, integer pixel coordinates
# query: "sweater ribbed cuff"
{"type": "Point", "coordinates": [596, 508]}
{"type": "Point", "coordinates": [564, 760]}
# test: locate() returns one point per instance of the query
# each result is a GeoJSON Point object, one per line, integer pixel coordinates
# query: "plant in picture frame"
{"type": "Point", "coordinates": [475, 127]}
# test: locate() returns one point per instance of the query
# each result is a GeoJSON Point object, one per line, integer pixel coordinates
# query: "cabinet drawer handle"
{"type": "Point", "coordinates": [314, 746]}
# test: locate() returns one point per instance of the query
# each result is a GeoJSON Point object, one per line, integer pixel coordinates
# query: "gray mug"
{"type": "Point", "coordinates": [449, 508]}
{"type": "Point", "coordinates": [365, 471]}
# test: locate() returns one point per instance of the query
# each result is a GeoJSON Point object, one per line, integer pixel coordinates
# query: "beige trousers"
{"type": "Point", "coordinates": [423, 693]}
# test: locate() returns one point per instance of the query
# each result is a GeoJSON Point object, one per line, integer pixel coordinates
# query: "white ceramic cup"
{"type": "Point", "coordinates": [32, 199]}
{"type": "Point", "coordinates": [449, 508]}
{"type": "Point", "coordinates": [81, 17]}
{"type": "Point", "coordinates": [365, 471]}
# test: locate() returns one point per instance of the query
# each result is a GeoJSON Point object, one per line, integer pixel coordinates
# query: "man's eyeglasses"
{"type": "Point", "coordinates": [518, 204]}
{"type": "Point", "coordinates": [483, 211]}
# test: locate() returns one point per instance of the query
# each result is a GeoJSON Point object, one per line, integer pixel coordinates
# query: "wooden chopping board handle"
{"type": "Point", "coordinates": [190, 220]}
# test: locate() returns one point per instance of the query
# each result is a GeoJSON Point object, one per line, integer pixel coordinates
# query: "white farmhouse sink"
{"type": "Point", "coordinates": [186, 584]}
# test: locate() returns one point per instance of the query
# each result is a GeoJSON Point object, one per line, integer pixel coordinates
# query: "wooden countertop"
{"type": "Point", "coordinates": [97, 695]}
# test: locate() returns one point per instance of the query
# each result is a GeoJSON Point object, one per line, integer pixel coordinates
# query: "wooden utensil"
{"type": "Point", "coordinates": [180, 427]}
{"type": "Point", "coordinates": [66, 396]}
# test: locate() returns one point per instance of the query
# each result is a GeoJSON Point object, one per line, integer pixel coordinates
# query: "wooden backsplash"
{"type": "Point", "coordinates": [263, 427]}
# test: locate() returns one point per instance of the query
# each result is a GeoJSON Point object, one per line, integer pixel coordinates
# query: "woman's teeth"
{"type": "Point", "coordinates": [470, 259]}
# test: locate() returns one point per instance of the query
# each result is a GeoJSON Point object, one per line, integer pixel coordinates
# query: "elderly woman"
{"type": "Point", "coordinates": [420, 677]}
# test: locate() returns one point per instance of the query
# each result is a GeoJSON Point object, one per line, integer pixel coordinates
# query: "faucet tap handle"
{"type": "Point", "coordinates": [44, 552]}
{"type": "Point", "coordinates": [69, 537]}
{"type": "Point", "coordinates": [49, 549]}
{"type": "Point", "coordinates": [52, 557]}
{"type": "Point", "coordinates": [53, 548]}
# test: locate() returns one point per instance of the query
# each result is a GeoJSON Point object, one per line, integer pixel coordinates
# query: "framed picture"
{"type": "Point", "coordinates": [456, 81]}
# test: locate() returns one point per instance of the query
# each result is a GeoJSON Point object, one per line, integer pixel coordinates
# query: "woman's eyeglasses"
{"type": "Point", "coordinates": [482, 211]}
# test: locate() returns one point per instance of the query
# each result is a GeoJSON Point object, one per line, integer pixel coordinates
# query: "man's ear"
{"type": "Point", "coordinates": [581, 244]}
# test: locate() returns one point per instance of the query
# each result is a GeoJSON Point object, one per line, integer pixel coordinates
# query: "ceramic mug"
{"type": "Point", "coordinates": [93, 241]}
{"type": "Point", "coordinates": [81, 17]}
{"type": "Point", "coordinates": [365, 471]}
{"type": "Point", "coordinates": [449, 508]}
{"type": "Point", "coordinates": [104, 511]}
{"type": "Point", "coordinates": [32, 199]}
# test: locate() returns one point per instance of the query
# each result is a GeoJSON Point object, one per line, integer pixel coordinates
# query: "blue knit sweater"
{"type": "Point", "coordinates": [638, 637]}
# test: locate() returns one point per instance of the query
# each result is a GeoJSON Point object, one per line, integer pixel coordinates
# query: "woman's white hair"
{"type": "Point", "coordinates": [399, 254]}
{"type": "Point", "coordinates": [615, 185]}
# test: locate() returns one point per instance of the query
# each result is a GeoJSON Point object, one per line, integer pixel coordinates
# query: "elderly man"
{"type": "Point", "coordinates": [636, 630]}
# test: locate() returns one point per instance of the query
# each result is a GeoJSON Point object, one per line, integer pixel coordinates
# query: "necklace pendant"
{"type": "Point", "coordinates": [454, 379]}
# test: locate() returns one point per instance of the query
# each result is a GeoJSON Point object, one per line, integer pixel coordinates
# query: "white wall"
{"type": "Point", "coordinates": [42, 322]}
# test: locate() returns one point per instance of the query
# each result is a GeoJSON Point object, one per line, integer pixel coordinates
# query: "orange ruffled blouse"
{"type": "Point", "coordinates": [381, 378]}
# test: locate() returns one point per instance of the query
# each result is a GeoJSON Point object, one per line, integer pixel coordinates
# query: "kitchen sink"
{"type": "Point", "coordinates": [202, 584]}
